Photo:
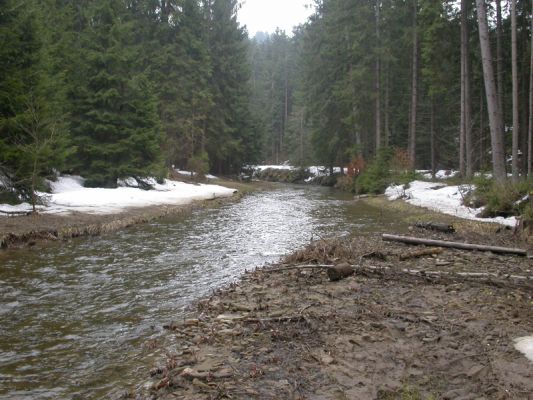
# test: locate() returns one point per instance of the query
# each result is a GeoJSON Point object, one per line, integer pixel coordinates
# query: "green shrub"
{"type": "Point", "coordinates": [500, 199]}
{"type": "Point", "coordinates": [199, 164]}
{"type": "Point", "coordinates": [377, 176]}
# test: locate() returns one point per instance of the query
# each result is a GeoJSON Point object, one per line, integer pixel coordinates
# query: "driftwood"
{"type": "Point", "coordinates": [434, 226]}
{"type": "Point", "coordinates": [421, 253]}
{"type": "Point", "coordinates": [454, 245]}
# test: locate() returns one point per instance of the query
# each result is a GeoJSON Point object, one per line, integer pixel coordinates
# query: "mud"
{"type": "Point", "coordinates": [289, 333]}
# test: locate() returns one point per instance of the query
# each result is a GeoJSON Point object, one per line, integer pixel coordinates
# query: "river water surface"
{"type": "Point", "coordinates": [75, 317]}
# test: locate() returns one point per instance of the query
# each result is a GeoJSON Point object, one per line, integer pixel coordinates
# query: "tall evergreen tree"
{"type": "Point", "coordinates": [114, 121]}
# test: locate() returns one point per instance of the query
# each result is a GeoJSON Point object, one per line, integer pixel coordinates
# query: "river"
{"type": "Point", "coordinates": [76, 316]}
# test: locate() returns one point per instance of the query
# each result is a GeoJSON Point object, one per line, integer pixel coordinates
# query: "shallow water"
{"type": "Point", "coordinates": [76, 317]}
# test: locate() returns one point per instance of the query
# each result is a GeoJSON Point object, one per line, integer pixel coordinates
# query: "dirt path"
{"type": "Point", "coordinates": [379, 334]}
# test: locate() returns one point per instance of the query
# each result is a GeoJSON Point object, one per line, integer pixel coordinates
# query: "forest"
{"type": "Point", "coordinates": [109, 90]}
{"type": "Point", "coordinates": [365, 76]}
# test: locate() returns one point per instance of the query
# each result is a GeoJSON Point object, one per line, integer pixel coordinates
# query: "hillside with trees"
{"type": "Point", "coordinates": [445, 84]}
{"type": "Point", "coordinates": [110, 90]}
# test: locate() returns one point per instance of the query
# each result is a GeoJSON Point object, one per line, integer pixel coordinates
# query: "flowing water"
{"type": "Point", "coordinates": [75, 317]}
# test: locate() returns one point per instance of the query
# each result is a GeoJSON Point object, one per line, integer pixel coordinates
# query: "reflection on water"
{"type": "Point", "coordinates": [75, 316]}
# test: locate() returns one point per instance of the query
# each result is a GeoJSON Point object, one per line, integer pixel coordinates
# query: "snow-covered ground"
{"type": "Point", "coordinates": [313, 170]}
{"type": "Point", "coordinates": [440, 174]}
{"type": "Point", "coordinates": [525, 346]}
{"type": "Point", "coordinates": [68, 195]}
{"type": "Point", "coordinates": [442, 198]}
{"type": "Point", "coordinates": [189, 174]}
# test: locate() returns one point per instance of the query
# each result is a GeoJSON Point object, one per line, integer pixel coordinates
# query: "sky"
{"type": "Point", "coordinates": [266, 15]}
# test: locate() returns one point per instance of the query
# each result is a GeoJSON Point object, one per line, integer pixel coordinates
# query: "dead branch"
{"type": "Point", "coordinates": [421, 253]}
{"type": "Point", "coordinates": [309, 266]}
{"type": "Point", "coordinates": [291, 318]}
{"type": "Point", "coordinates": [455, 245]}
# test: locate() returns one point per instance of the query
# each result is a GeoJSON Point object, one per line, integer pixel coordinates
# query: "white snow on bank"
{"type": "Point", "coordinates": [313, 170]}
{"type": "Point", "coordinates": [442, 198]}
{"type": "Point", "coordinates": [69, 195]}
{"type": "Point", "coordinates": [440, 174]}
{"type": "Point", "coordinates": [264, 167]}
{"type": "Point", "coordinates": [189, 174]}
{"type": "Point", "coordinates": [525, 346]}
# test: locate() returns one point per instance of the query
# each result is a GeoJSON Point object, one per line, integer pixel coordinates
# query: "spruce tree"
{"type": "Point", "coordinates": [114, 121]}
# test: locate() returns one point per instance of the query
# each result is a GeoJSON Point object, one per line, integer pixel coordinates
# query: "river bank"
{"type": "Point", "coordinates": [386, 332]}
{"type": "Point", "coordinates": [28, 230]}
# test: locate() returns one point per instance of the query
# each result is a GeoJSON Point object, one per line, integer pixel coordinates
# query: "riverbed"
{"type": "Point", "coordinates": [78, 317]}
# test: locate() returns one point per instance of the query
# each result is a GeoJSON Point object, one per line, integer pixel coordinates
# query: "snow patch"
{"type": "Point", "coordinates": [525, 346]}
{"type": "Point", "coordinates": [440, 174]}
{"type": "Point", "coordinates": [442, 198]}
{"type": "Point", "coordinates": [69, 195]}
{"type": "Point", "coordinates": [190, 174]}
{"type": "Point", "coordinates": [67, 183]}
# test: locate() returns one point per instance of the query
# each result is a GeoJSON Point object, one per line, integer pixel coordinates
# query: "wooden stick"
{"type": "Point", "coordinates": [309, 266]}
{"type": "Point", "coordinates": [292, 318]}
{"type": "Point", "coordinates": [421, 253]}
{"type": "Point", "coordinates": [455, 245]}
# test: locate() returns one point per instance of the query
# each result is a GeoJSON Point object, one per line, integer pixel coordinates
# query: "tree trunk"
{"type": "Point", "coordinates": [387, 101]}
{"type": "Point", "coordinates": [465, 138]}
{"type": "Point", "coordinates": [453, 245]}
{"type": "Point", "coordinates": [358, 139]}
{"type": "Point", "coordinates": [414, 90]}
{"type": "Point", "coordinates": [462, 132]}
{"type": "Point", "coordinates": [499, 56]}
{"type": "Point", "coordinates": [481, 133]}
{"type": "Point", "coordinates": [378, 80]}
{"type": "Point", "coordinates": [516, 122]}
{"type": "Point", "coordinates": [468, 100]}
{"type": "Point", "coordinates": [495, 116]}
{"type": "Point", "coordinates": [432, 139]}
{"type": "Point", "coordinates": [530, 127]}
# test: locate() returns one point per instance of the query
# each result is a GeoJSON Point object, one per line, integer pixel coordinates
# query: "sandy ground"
{"type": "Point", "coordinates": [381, 333]}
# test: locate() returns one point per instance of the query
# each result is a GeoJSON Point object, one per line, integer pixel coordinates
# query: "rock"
{"type": "Point", "coordinates": [191, 322]}
{"type": "Point", "coordinates": [476, 371]}
{"type": "Point", "coordinates": [229, 317]}
{"type": "Point", "coordinates": [223, 373]}
{"type": "Point", "coordinates": [193, 374]}
{"type": "Point", "coordinates": [198, 383]}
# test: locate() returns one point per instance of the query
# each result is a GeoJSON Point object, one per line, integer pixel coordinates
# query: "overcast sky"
{"type": "Point", "coordinates": [266, 15]}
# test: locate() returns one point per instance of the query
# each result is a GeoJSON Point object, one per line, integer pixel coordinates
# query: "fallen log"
{"type": "Point", "coordinates": [421, 253]}
{"type": "Point", "coordinates": [435, 226]}
{"type": "Point", "coordinates": [453, 245]}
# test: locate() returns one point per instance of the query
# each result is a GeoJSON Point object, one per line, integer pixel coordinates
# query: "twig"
{"type": "Point", "coordinates": [310, 266]}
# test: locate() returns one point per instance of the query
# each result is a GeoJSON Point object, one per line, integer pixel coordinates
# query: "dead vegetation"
{"type": "Point", "coordinates": [288, 332]}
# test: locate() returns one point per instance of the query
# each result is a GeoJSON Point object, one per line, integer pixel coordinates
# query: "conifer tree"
{"type": "Point", "coordinates": [114, 121]}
